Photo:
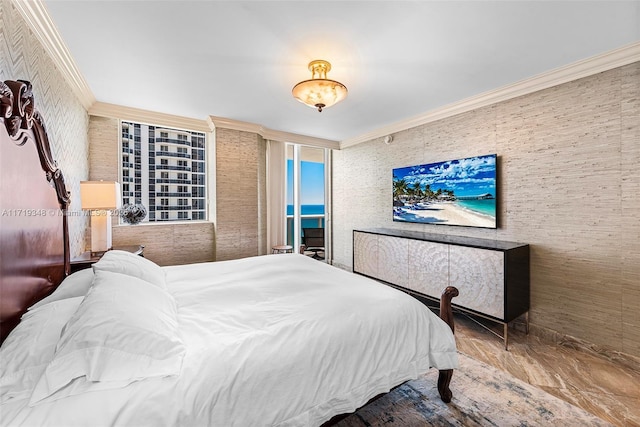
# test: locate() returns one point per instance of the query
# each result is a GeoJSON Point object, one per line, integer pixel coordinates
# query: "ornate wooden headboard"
{"type": "Point", "coordinates": [34, 241]}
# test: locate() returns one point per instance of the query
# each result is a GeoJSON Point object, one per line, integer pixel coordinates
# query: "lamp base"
{"type": "Point", "coordinates": [100, 231]}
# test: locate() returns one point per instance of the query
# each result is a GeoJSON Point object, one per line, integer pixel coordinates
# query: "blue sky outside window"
{"type": "Point", "coordinates": [311, 187]}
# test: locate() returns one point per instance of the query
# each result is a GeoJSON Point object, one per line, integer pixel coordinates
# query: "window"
{"type": "Point", "coordinates": [157, 167]}
{"type": "Point", "coordinates": [306, 194]}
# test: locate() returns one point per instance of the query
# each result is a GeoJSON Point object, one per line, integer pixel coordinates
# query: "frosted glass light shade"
{"type": "Point", "coordinates": [319, 92]}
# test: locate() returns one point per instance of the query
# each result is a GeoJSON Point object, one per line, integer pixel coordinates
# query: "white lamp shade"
{"type": "Point", "coordinates": [98, 195]}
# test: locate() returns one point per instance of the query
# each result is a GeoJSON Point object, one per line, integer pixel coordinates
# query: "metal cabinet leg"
{"type": "Point", "coordinates": [506, 336]}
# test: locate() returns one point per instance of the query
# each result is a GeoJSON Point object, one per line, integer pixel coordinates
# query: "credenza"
{"type": "Point", "coordinates": [492, 276]}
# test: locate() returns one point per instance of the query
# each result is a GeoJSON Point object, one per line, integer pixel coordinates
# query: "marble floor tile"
{"type": "Point", "coordinates": [606, 384]}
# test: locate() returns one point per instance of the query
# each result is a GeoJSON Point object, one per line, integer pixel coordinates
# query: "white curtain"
{"type": "Point", "coordinates": [276, 193]}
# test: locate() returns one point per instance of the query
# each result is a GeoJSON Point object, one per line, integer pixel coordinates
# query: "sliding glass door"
{"type": "Point", "coordinates": [307, 202]}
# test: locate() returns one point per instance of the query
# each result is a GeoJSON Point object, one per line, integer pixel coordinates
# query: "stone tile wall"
{"type": "Point", "coordinates": [569, 182]}
{"type": "Point", "coordinates": [241, 217]}
{"type": "Point", "coordinates": [165, 243]}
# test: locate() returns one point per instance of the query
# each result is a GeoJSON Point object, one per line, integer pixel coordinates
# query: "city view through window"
{"type": "Point", "coordinates": [164, 170]}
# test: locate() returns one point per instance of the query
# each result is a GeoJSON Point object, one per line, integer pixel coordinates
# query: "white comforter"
{"type": "Point", "coordinates": [278, 340]}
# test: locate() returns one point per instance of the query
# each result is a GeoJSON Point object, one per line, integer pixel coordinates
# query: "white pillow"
{"type": "Point", "coordinates": [125, 330]}
{"type": "Point", "coordinates": [133, 265]}
{"type": "Point", "coordinates": [30, 347]}
{"type": "Point", "coordinates": [74, 285]}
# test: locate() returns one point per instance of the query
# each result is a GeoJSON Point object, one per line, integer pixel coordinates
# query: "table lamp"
{"type": "Point", "coordinates": [100, 197]}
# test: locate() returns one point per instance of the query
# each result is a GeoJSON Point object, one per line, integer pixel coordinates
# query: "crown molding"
{"type": "Point", "coordinates": [113, 111]}
{"type": "Point", "coordinates": [39, 21]}
{"type": "Point", "coordinates": [584, 68]}
{"type": "Point", "coordinates": [275, 135]}
{"type": "Point", "coordinates": [223, 122]}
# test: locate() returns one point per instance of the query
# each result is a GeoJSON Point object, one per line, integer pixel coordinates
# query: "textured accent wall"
{"type": "Point", "coordinates": [22, 57]}
{"type": "Point", "coordinates": [569, 180]}
{"type": "Point", "coordinates": [165, 243]}
{"type": "Point", "coordinates": [170, 244]}
{"type": "Point", "coordinates": [241, 218]}
{"type": "Point", "coordinates": [103, 150]}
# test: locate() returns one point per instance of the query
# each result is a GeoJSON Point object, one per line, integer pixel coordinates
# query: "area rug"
{"type": "Point", "coordinates": [482, 396]}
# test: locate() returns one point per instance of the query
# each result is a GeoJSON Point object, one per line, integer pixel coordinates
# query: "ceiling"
{"type": "Point", "coordinates": [240, 59]}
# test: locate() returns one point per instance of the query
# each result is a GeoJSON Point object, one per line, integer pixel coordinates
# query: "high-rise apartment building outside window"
{"type": "Point", "coordinates": [167, 168]}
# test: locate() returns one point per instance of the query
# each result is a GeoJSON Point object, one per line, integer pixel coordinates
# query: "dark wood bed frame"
{"type": "Point", "coordinates": [34, 234]}
{"type": "Point", "coordinates": [34, 237]}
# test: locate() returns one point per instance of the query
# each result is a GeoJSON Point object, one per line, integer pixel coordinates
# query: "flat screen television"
{"type": "Point", "coordinates": [455, 192]}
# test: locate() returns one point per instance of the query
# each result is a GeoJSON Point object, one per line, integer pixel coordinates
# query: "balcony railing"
{"type": "Point", "coordinates": [173, 168]}
{"type": "Point", "coordinates": [306, 221]}
{"type": "Point", "coordinates": [176, 194]}
{"type": "Point", "coordinates": [173, 141]}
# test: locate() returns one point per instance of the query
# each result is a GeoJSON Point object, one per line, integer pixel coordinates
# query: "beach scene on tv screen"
{"type": "Point", "coordinates": [454, 192]}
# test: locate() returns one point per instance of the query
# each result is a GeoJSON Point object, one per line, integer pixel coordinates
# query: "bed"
{"type": "Point", "coordinates": [273, 340]}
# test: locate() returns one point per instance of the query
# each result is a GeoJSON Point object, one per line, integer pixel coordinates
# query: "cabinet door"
{"type": "Point", "coordinates": [393, 259]}
{"type": "Point", "coordinates": [428, 267]}
{"type": "Point", "coordinates": [479, 276]}
{"type": "Point", "coordinates": [365, 253]}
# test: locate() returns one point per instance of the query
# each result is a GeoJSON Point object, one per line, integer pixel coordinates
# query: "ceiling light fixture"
{"type": "Point", "coordinates": [319, 92]}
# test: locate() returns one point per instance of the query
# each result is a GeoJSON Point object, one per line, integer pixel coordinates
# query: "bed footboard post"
{"type": "Point", "coordinates": [444, 379]}
{"type": "Point", "coordinates": [446, 311]}
{"type": "Point", "coordinates": [446, 314]}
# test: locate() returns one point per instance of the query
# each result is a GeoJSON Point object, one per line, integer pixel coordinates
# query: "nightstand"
{"type": "Point", "coordinates": [85, 260]}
